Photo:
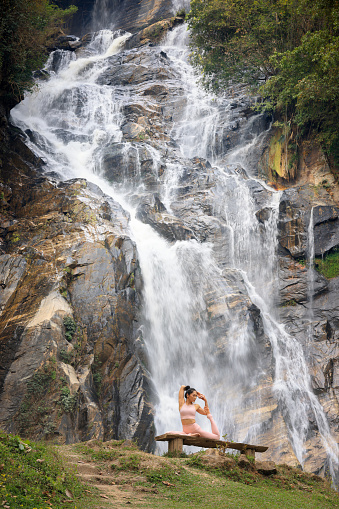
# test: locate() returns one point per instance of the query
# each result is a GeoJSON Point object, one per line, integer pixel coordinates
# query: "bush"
{"type": "Point", "coordinates": [287, 50]}
{"type": "Point", "coordinates": [67, 401]}
{"type": "Point", "coordinates": [329, 265]}
{"type": "Point", "coordinates": [25, 26]}
{"type": "Point", "coordinates": [70, 328]}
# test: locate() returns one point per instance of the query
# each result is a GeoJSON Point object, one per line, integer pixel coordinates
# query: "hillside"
{"type": "Point", "coordinates": [117, 474]}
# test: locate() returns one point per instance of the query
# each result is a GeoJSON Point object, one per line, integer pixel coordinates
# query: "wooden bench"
{"type": "Point", "coordinates": [176, 443]}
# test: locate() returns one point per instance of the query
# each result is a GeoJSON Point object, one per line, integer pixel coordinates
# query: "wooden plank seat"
{"type": "Point", "coordinates": [176, 443]}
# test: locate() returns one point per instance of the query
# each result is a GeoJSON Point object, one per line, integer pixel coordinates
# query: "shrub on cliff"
{"type": "Point", "coordinates": [25, 26]}
{"type": "Point", "coordinates": [286, 49]}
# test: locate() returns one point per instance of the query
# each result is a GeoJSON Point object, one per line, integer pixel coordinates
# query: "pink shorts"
{"type": "Point", "coordinates": [195, 428]}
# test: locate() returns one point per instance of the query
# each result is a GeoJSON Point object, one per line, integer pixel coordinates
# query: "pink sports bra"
{"type": "Point", "coordinates": [187, 411]}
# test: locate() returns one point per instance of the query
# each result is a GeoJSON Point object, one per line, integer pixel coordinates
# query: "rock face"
{"type": "Point", "coordinates": [70, 307]}
{"type": "Point", "coordinates": [129, 15]}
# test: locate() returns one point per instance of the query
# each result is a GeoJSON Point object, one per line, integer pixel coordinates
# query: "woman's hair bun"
{"type": "Point", "coordinates": [187, 387]}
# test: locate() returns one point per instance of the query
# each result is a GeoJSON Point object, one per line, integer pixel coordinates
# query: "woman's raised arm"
{"type": "Point", "coordinates": [181, 396]}
{"type": "Point", "coordinates": [206, 410]}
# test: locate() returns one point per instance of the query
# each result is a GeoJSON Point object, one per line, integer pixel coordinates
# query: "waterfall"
{"type": "Point", "coordinates": [203, 299]}
{"type": "Point", "coordinates": [103, 13]}
{"type": "Point", "coordinates": [310, 272]}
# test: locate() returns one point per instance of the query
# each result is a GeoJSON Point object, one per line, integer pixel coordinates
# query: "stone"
{"type": "Point", "coordinates": [266, 467]}
{"type": "Point", "coordinates": [245, 463]}
{"type": "Point", "coordinates": [71, 377]}
{"type": "Point", "coordinates": [217, 460]}
{"type": "Point", "coordinates": [169, 226]}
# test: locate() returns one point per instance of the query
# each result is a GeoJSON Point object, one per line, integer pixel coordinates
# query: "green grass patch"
{"type": "Point", "coordinates": [177, 483]}
{"type": "Point", "coordinates": [32, 476]}
{"type": "Point", "coordinates": [328, 266]}
{"type": "Point", "coordinates": [99, 455]}
{"type": "Point", "coordinates": [205, 488]}
{"type": "Point", "coordinates": [130, 463]}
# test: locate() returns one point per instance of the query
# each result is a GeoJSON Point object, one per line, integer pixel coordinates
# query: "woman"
{"type": "Point", "coordinates": [187, 411]}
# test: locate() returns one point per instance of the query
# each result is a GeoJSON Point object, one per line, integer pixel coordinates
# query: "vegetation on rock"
{"type": "Point", "coordinates": [328, 266]}
{"type": "Point", "coordinates": [25, 28]}
{"type": "Point", "coordinates": [286, 49]}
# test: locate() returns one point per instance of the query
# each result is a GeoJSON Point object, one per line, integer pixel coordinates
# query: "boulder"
{"type": "Point", "coordinates": [154, 213]}
{"type": "Point", "coordinates": [217, 460]}
{"type": "Point", "coordinates": [245, 463]}
{"type": "Point", "coordinates": [266, 467]}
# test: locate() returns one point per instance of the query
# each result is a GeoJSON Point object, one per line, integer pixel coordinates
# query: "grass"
{"type": "Point", "coordinates": [146, 481]}
{"type": "Point", "coordinates": [32, 476]}
{"type": "Point", "coordinates": [329, 265]}
{"type": "Point", "coordinates": [187, 482]}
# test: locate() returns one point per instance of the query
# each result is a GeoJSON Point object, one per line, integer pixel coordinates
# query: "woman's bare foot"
{"type": "Point", "coordinates": [194, 434]}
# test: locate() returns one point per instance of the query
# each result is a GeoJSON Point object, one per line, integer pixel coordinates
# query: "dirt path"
{"type": "Point", "coordinates": [115, 490]}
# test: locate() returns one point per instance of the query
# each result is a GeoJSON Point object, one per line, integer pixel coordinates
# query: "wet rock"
{"type": "Point", "coordinates": [132, 131]}
{"type": "Point", "coordinates": [122, 163]}
{"type": "Point", "coordinates": [295, 217]}
{"type": "Point", "coordinates": [263, 215]}
{"type": "Point", "coordinates": [294, 281]}
{"type": "Point", "coordinates": [66, 43]}
{"type": "Point", "coordinates": [326, 229]}
{"type": "Point", "coordinates": [136, 15]}
{"type": "Point", "coordinates": [153, 212]}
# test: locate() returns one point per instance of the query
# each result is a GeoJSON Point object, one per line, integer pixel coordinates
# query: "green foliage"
{"type": "Point", "coordinates": [195, 460]}
{"type": "Point", "coordinates": [181, 13]}
{"type": "Point", "coordinates": [329, 265]}
{"type": "Point", "coordinates": [288, 303]}
{"type": "Point", "coordinates": [306, 86]}
{"type": "Point", "coordinates": [40, 383]}
{"type": "Point", "coordinates": [70, 328]}
{"type": "Point", "coordinates": [97, 375]}
{"type": "Point", "coordinates": [67, 401]}
{"type": "Point", "coordinates": [32, 412]}
{"type": "Point", "coordinates": [97, 379]}
{"type": "Point", "coordinates": [166, 473]}
{"type": "Point", "coordinates": [25, 27]}
{"type": "Point", "coordinates": [286, 49]}
{"type": "Point", "coordinates": [175, 454]}
{"type": "Point", "coordinates": [33, 476]}
{"type": "Point", "coordinates": [65, 356]}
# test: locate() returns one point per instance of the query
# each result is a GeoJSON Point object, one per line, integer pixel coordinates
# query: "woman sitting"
{"type": "Point", "coordinates": [187, 411]}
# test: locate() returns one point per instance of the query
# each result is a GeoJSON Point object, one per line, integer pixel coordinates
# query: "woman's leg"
{"type": "Point", "coordinates": [195, 428]}
{"type": "Point", "coordinates": [191, 429]}
{"type": "Point", "coordinates": [214, 427]}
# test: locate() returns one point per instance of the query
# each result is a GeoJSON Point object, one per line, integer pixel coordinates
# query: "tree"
{"type": "Point", "coordinates": [286, 49]}
{"type": "Point", "coordinates": [25, 25]}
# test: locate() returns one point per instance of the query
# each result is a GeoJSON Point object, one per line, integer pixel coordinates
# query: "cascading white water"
{"type": "Point", "coordinates": [72, 118]}
{"type": "Point", "coordinates": [310, 272]}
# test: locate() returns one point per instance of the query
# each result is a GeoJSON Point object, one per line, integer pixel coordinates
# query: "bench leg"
{"type": "Point", "coordinates": [175, 445]}
{"type": "Point", "coordinates": [250, 453]}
